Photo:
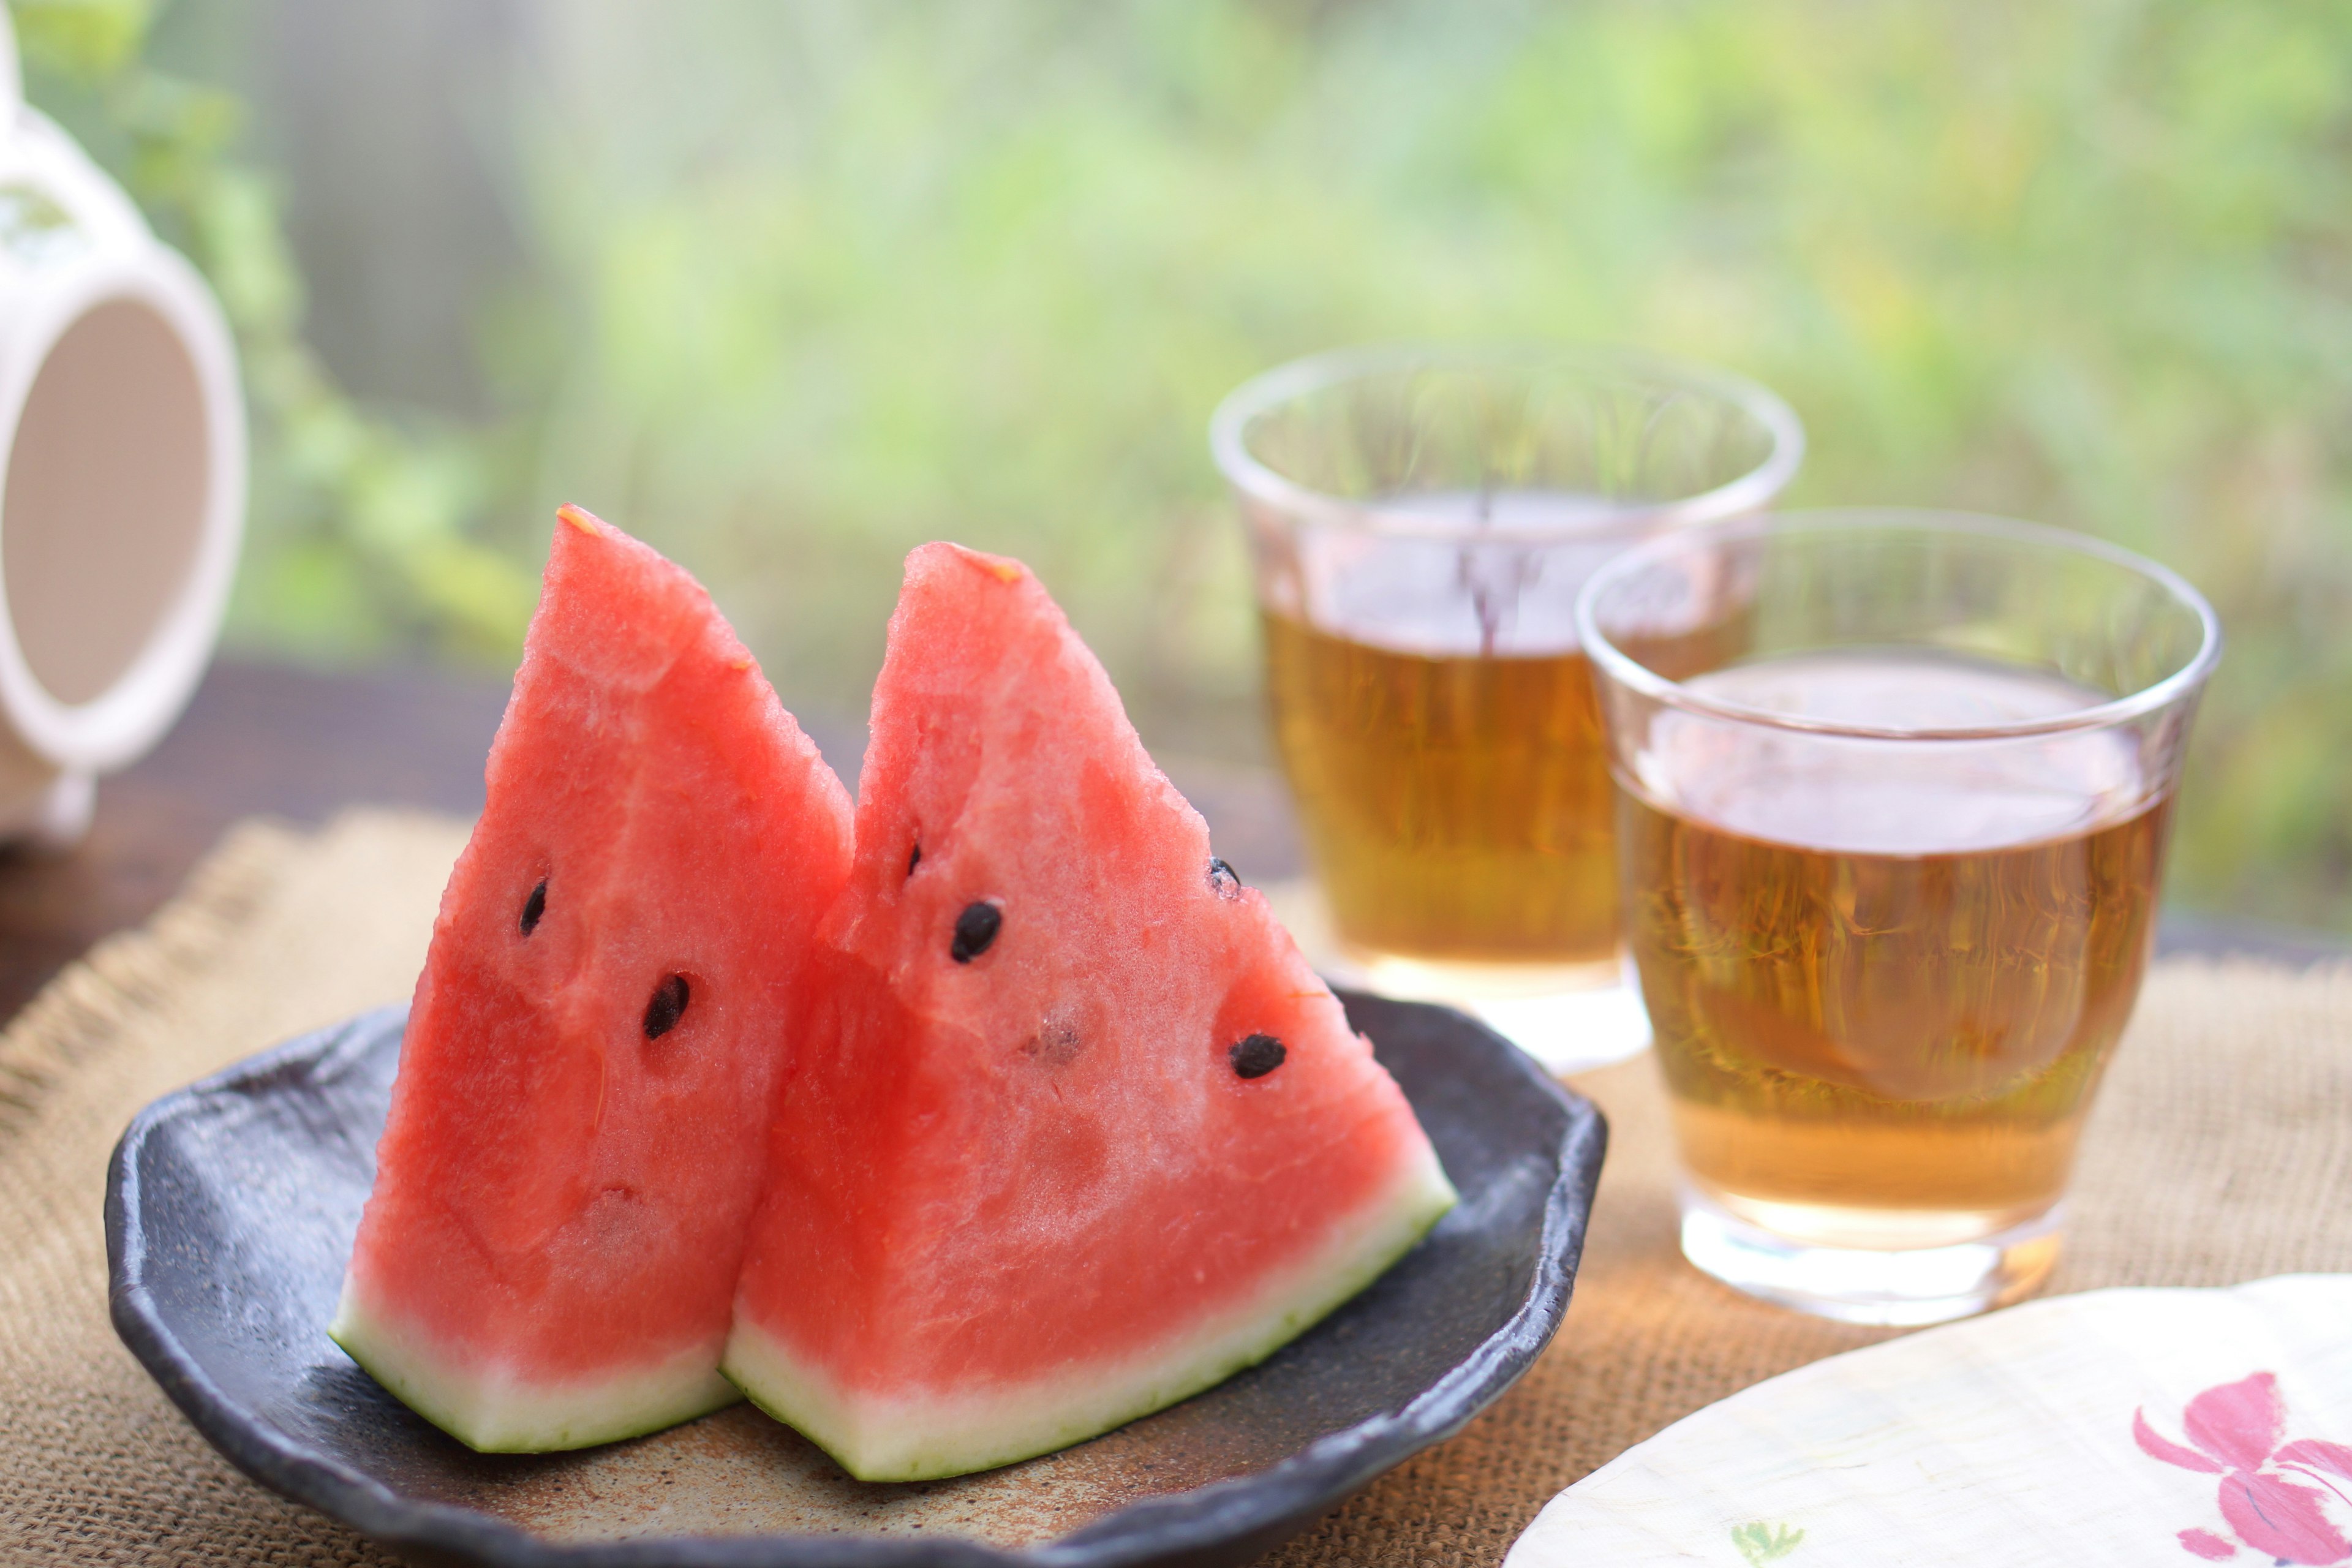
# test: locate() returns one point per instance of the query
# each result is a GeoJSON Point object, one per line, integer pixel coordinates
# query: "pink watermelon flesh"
{"type": "Point", "coordinates": [1075, 1132]}
{"type": "Point", "coordinates": [578, 1132]}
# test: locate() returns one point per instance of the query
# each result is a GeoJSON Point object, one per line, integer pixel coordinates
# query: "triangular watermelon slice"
{"type": "Point", "coordinates": [578, 1131]}
{"type": "Point", "coordinates": [1078, 1133]}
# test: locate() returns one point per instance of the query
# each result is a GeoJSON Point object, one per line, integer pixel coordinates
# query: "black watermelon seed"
{"type": "Point", "coordinates": [1257, 1056]}
{"type": "Point", "coordinates": [533, 907]}
{"type": "Point", "coordinates": [667, 1006]}
{"type": "Point", "coordinates": [1225, 879]}
{"type": "Point", "coordinates": [975, 928]}
{"type": "Point", "coordinates": [914, 860]}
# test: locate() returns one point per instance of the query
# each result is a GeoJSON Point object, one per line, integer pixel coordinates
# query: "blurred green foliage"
{"type": "Point", "coordinates": [360, 523]}
{"type": "Point", "coordinates": [813, 283]}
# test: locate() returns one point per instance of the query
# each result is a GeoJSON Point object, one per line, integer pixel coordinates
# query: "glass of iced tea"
{"type": "Point", "coordinates": [1892, 796]}
{"type": "Point", "coordinates": [1420, 522]}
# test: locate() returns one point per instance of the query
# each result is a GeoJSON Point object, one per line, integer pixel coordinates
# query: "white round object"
{"type": "Point", "coordinates": [122, 476]}
{"type": "Point", "coordinates": [2132, 1425]}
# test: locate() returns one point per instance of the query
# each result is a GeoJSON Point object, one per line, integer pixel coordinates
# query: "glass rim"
{"type": "Point", "coordinates": [1623, 668]}
{"type": "Point", "coordinates": [1261, 394]}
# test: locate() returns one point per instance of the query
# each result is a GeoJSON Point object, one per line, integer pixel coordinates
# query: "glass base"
{"type": "Point", "coordinates": [1567, 1031]}
{"type": "Point", "coordinates": [1898, 1287]}
{"type": "Point", "coordinates": [1450, 980]}
{"type": "Point", "coordinates": [1571, 1017]}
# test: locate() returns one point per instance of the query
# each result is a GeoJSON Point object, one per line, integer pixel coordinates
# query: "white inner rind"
{"type": "Point", "coordinates": [926, 1434]}
{"type": "Point", "coordinates": [496, 1409]}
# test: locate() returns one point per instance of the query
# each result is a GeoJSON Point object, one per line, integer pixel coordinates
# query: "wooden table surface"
{"type": "Point", "coordinates": [300, 744]}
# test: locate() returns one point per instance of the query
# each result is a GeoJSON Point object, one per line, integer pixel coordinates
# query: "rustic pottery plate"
{"type": "Point", "coordinates": [230, 1210]}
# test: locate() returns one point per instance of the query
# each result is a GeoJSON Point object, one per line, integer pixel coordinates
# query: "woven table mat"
{"type": "Point", "coordinates": [2221, 1151]}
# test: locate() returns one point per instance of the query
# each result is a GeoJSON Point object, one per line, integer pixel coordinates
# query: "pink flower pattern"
{"type": "Point", "coordinates": [2233, 1432]}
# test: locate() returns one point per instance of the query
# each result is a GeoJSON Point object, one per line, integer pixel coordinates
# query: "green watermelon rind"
{"type": "Point", "coordinates": [500, 1414]}
{"type": "Point", "coordinates": [920, 1441]}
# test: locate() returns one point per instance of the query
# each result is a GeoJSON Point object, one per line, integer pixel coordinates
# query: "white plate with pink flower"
{"type": "Point", "coordinates": [2135, 1426]}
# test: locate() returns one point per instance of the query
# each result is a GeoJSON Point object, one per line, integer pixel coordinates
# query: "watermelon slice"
{"type": "Point", "coordinates": [578, 1132]}
{"type": "Point", "coordinates": [1076, 1132]}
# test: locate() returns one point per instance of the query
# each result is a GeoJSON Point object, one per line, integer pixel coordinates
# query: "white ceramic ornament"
{"type": "Point", "coordinates": [2138, 1425]}
{"type": "Point", "coordinates": [122, 474]}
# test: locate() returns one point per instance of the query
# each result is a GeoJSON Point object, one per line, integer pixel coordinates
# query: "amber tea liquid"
{"type": "Point", "coordinates": [1883, 988]}
{"type": "Point", "coordinates": [1457, 806]}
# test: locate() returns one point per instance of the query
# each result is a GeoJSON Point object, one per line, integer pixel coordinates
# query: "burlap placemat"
{"type": "Point", "coordinates": [2221, 1150]}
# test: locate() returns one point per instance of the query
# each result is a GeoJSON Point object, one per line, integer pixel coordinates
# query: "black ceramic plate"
{"type": "Point", "coordinates": [230, 1210]}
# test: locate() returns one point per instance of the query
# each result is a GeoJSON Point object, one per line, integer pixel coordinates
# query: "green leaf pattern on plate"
{"type": "Point", "coordinates": [1762, 1543]}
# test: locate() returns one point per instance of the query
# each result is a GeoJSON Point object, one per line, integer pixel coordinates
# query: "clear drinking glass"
{"type": "Point", "coordinates": [1420, 522]}
{"type": "Point", "coordinates": [1893, 793]}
